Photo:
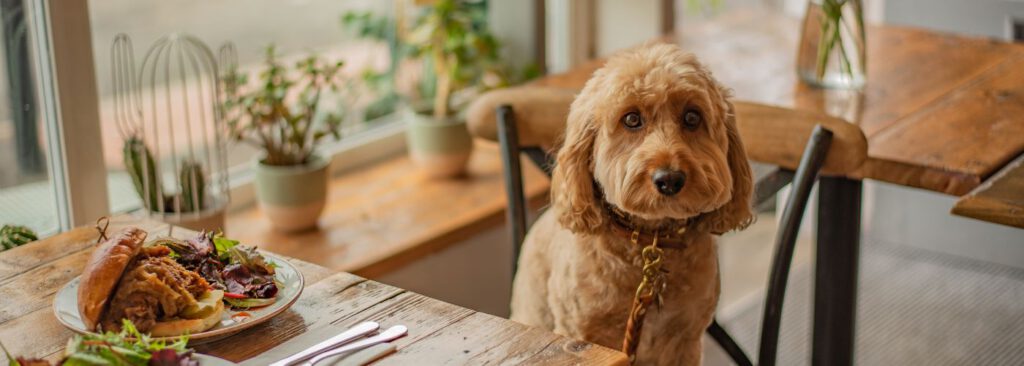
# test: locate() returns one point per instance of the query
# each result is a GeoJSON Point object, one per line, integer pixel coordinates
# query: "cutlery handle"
{"type": "Point", "coordinates": [392, 333]}
{"type": "Point", "coordinates": [357, 331]}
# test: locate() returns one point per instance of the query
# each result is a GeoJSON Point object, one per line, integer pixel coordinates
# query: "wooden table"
{"type": "Point", "coordinates": [940, 112]}
{"type": "Point", "coordinates": [438, 332]}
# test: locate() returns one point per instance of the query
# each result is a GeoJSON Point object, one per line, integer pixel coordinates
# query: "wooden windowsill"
{"type": "Point", "coordinates": [387, 215]}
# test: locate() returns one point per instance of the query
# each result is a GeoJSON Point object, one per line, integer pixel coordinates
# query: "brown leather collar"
{"type": "Point", "coordinates": [671, 234]}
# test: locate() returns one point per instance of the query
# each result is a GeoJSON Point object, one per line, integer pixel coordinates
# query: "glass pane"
{"type": "Point", "coordinates": [26, 192]}
{"type": "Point", "coordinates": [295, 28]}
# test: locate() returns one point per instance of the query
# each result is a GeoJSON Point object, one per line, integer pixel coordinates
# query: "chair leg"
{"type": "Point", "coordinates": [803, 181]}
{"type": "Point", "coordinates": [728, 344]}
{"type": "Point", "coordinates": [508, 140]}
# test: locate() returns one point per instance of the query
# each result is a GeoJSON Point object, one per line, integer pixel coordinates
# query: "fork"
{"type": "Point", "coordinates": [355, 332]}
{"type": "Point", "coordinates": [390, 334]}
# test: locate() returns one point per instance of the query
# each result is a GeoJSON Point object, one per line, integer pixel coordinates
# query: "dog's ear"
{"type": "Point", "coordinates": [737, 213]}
{"type": "Point", "coordinates": [572, 187]}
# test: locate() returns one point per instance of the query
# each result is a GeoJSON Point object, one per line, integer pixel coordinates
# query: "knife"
{"type": "Point", "coordinates": [347, 336]}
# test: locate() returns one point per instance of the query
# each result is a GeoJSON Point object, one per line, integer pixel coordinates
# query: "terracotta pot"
{"type": "Point", "coordinates": [292, 197]}
{"type": "Point", "coordinates": [440, 149]}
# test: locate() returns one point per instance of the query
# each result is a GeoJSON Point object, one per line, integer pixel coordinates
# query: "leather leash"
{"type": "Point", "coordinates": [648, 292]}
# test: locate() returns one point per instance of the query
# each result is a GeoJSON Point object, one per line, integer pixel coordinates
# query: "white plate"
{"type": "Point", "coordinates": [65, 305]}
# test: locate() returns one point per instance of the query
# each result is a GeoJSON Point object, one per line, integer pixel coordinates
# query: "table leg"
{"type": "Point", "coordinates": [835, 271]}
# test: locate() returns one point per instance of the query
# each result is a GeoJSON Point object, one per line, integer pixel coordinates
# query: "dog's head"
{"type": "Point", "coordinates": [655, 133]}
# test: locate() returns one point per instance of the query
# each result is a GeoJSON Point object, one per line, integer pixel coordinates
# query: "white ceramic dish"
{"type": "Point", "coordinates": [65, 306]}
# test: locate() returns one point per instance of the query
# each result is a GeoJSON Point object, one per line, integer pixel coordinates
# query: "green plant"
{"type": "Point", "coordinates": [381, 83]}
{"type": "Point", "coordinates": [14, 235]}
{"type": "Point", "coordinates": [460, 50]}
{"type": "Point", "coordinates": [139, 163]}
{"type": "Point", "coordinates": [451, 41]}
{"type": "Point", "coordinates": [193, 187]}
{"type": "Point", "coordinates": [142, 169]}
{"type": "Point", "coordinates": [280, 112]}
{"type": "Point", "coordinates": [832, 24]}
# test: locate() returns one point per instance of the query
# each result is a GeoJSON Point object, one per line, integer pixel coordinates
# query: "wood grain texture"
{"type": "Point", "coordinates": [779, 135]}
{"type": "Point", "coordinates": [540, 114]}
{"type": "Point", "coordinates": [388, 215]}
{"type": "Point", "coordinates": [1000, 199]}
{"type": "Point", "coordinates": [438, 332]}
{"type": "Point", "coordinates": [940, 111]}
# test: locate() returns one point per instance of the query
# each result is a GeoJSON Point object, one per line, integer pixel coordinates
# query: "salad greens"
{"type": "Point", "coordinates": [128, 347]}
{"type": "Point", "coordinates": [245, 275]}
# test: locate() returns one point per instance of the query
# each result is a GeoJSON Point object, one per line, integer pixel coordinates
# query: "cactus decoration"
{"type": "Point", "coordinates": [193, 186]}
{"type": "Point", "coordinates": [140, 166]}
{"type": "Point", "coordinates": [170, 118]}
{"type": "Point", "coordinates": [14, 235]}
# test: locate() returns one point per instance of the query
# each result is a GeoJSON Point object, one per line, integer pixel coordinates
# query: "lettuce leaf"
{"type": "Point", "coordinates": [224, 246]}
{"type": "Point", "coordinates": [251, 259]}
{"type": "Point", "coordinates": [129, 347]}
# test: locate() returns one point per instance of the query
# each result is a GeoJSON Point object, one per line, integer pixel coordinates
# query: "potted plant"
{"type": "Point", "coordinates": [281, 114]}
{"type": "Point", "coordinates": [185, 182]}
{"type": "Point", "coordinates": [459, 59]}
{"type": "Point", "coordinates": [191, 206]}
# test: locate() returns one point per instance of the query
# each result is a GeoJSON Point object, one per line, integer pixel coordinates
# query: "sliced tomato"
{"type": "Point", "coordinates": [233, 295]}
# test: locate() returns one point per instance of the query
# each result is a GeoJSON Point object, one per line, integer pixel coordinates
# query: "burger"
{"type": "Point", "coordinates": [125, 279]}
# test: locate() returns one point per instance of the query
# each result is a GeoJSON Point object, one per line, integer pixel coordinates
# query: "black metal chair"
{"type": "Point", "coordinates": [803, 178]}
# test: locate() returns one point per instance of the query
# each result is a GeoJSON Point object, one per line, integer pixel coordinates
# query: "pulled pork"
{"type": "Point", "coordinates": [153, 287]}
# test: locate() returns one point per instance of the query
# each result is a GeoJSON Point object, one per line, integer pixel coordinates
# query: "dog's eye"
{"type": "Point", "coordinates": [632, 120]}
{"type": "Point", "coordinates": [692, 119]}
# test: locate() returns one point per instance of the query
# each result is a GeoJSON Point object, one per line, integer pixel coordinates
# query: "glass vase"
{"type": "Point", "coordinates": [832, 46]}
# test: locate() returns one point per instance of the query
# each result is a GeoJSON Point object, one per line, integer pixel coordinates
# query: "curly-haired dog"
{"type": "Point", "coordinates": [651, 145]}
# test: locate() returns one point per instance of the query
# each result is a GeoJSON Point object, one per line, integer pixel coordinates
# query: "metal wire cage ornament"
{"type": "Point", "coordinates": [170, 115]}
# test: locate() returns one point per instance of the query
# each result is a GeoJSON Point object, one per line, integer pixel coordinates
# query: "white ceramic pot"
{"type": "Point", "coordinates": [440, 149]}
{"type": "Point", "coordinates": [292, 197]}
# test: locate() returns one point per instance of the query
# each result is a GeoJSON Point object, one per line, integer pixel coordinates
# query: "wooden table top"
{"type": "Point", "coordinates": [1000, 199]}
{"type": "Point", "coordinates": [439, 332]}
{"type": "Point", "coordinates": [941, 112]}
{"type": "Point", "coordinates": [387, 215]}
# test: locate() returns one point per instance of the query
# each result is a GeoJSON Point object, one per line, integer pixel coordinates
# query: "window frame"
{"type": "Point", "coordinates": [61, 50]}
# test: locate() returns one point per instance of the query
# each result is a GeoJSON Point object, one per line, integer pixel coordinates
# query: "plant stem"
{"type": "Point", "coordinates": [443, 85]}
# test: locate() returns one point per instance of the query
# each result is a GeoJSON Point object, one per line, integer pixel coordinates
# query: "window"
{"type": "Point", "coordinates": [60, 152]}
{"type": "Point", "coordinates": [27, 195]}
{"type": "Point", "coordinates": [295, 28]}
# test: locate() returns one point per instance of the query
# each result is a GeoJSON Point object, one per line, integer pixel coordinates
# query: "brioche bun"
{"type": "Point", "coordinates": [103, 272]}
{"type": "Point", "coordinates": [177, 327]}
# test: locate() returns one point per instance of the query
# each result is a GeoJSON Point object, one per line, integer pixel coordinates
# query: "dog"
{"type": "Point", "coordinates": [650, 148]}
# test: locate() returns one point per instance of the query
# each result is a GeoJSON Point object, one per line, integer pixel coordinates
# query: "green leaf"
{"type": "Point", "coordinates": [11, 361]}
{"type": "Point", "coordinates": [88, 359]}
{"type": "Point", "coordinates": [224, 245]}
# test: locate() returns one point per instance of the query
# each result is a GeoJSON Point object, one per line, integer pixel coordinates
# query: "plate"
{"type": "Point", "coordinates": [65, 306]}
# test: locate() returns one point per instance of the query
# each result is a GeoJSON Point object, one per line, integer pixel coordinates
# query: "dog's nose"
{"type": "Point", "coordinates": [668, 181]}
